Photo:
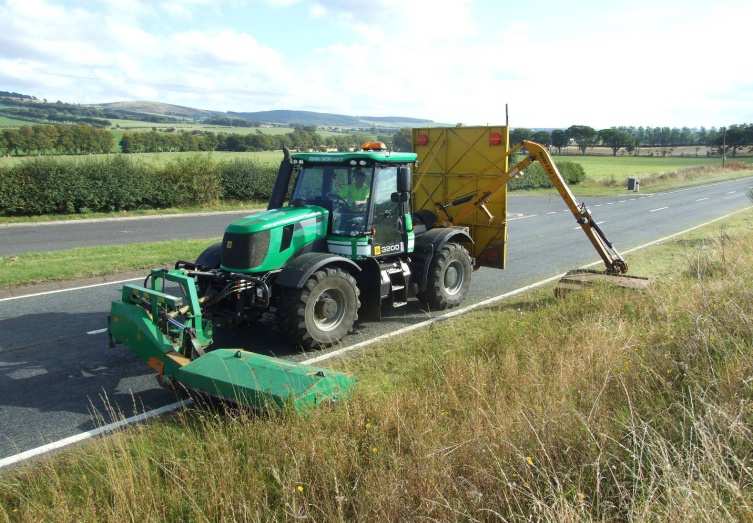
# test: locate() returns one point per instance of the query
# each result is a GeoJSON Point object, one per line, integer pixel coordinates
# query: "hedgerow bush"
{"type": "Point", "coordinates": [53, 186]}
{"type": "Point", "coordinates": [246, 180]}
{"type": "Point", "coordinates": [535, 176]}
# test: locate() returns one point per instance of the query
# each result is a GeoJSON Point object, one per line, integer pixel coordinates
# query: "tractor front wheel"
{"type": "Point", "coordinates": [449, 278]}
{"type": "Point", "coordinates": [324, 310]}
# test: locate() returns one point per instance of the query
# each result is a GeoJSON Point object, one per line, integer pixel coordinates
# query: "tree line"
{"type": "Point", "coordinates": [304, 137]}
{"type": "Point", "coordinates": [732, 138]}
{"type": "Point", "coordinates": [55, 139]}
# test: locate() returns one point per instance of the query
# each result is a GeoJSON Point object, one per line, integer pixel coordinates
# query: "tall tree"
{"type": "Point", "coordinates": [615, 139]}
{"type": "Point", "coordinates": [542, 137]}
{"type": "Point", "coordinates": [402, 140]}
{"type": "Point", "coordinates": [559, 139]}
{"type": "Point", "coordinates": [583, 135]}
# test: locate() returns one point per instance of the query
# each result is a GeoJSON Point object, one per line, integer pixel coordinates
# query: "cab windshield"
{"type": "Point", "coordinates": [343, 189]}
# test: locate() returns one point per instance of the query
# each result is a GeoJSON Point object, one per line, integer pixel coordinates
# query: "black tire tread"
{"type": "Point", "coordinates": [433, 295]}
{"type": "Point", "coordinates": [294, 308]}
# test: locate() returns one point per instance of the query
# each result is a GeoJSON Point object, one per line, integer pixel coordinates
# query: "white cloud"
{"type": "Point", "coordinates": [440, 59]}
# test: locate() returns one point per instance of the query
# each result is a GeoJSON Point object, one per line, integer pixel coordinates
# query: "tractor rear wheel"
{"type": "Point", "coordinates": [324, 310]}
{"type": "Point", "coordinates": [449, 278]}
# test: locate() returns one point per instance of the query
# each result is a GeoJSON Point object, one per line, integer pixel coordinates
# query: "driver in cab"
{"type": "Point", "coordinates": [355, 193]}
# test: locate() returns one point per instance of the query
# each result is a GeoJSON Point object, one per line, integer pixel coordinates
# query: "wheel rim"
{"type": "Point", "coordinates": [329, 309]}
{"type": "Point", "coordinates": [454, 277]}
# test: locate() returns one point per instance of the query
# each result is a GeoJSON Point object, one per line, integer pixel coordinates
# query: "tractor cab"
{"type": "Point", "coordinates": [367, 195]}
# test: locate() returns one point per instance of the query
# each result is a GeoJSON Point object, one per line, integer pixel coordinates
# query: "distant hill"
{"type": "Point", "coordinates": [288, 117]}
{"type": "Point", "coordinates": [28, 107]}
{"type": "Point", "coordinates": [158, 108]}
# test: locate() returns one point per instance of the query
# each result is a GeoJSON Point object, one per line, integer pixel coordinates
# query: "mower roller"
{"type": "Point", "coordinates": [357, 233]}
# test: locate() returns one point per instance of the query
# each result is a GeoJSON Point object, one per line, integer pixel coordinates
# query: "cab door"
{"type": "Point", "coordinates": [387, 221]}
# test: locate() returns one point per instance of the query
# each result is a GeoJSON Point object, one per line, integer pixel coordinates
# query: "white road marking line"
{"type": "Point", "coordinates": [522, 217]}
{"type": "Point", "coordinates": [622, 201]}
{"type": "Point", "coordinates": [115, 282]}
{"type": "Point", "coordinates": [659, 209]}
{"type": "Point", "coordinates": [610, 203]}
{"type": "Point", "coordinates": [552, 212]}
{"type": "Point", "coordinates": [731, 192]}
{"type": "Point", "coordinates": [597, 205]}
{"type": "Point", "coordinates": [17, 458]}
{"type": "Point", "coordinates": [98, 331]}
{"type": "Point", "coordinates": [702, 199]}
{"type": "Point", "coordinates": [128, 218]}
{"type": "Point", "coordinates": [81, 436]}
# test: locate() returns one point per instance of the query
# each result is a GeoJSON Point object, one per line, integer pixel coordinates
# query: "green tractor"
{"type": "Point", "coordinates": [344, 246]}
{"type": "Point", "coordinates": [338, 243]}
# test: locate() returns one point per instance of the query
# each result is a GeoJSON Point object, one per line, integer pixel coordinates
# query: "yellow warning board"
{"type": "Point", "coordinates": [460, 162]}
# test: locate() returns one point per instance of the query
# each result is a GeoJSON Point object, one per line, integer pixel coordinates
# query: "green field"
{"type": "Point", "coordinates": [603, 406]}
{"type": "Point", "coordinates": [136, 125]}
{"type": "Point", "coordinates": [13, 122]}
{"type": "Point", "coordinates": [268, 157]}
{"type": "Point", "coordinates": [604, 167]}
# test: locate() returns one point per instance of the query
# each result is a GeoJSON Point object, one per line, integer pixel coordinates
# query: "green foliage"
{"type": "Point", "coordinates": [559, 139]}
{"type": "Point", "coordinates": [583, 135]}
{"type": "Point", "coordinates": [55, 139]}
{"type": "Point", "coordinates": [246, 180]}
{"type": "Point", "coordinates": [535, 176]}
{"type": "Point", "coordinates": [616, 138]}
{"type": "Point", "coordinates": [402, 141]}
{"type": "Point", "coordinates": [53, 186]}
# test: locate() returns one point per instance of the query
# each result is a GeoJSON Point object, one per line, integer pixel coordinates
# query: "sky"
{"type": "Point", "coordinates": [599, 63]}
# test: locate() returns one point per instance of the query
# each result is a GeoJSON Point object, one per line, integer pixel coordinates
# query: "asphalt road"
{"type": "Point", "coordinates": [56, 369]}
{"type": "Point", "coordinates": [18, 239]}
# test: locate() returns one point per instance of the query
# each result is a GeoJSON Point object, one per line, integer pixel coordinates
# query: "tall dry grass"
{"type": "Point", "coordinates": [602, 406]}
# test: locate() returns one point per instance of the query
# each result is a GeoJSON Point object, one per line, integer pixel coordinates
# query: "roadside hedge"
{"type": "Point", "coordinates": [119, 183]}
{"type": "Point", "coordinates": [535, 176]}
{"type": "Point", "coordinates": [54, 186]}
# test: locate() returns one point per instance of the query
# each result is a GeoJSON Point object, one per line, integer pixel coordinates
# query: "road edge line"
{"type": "Point", "coordinates": [81, 436]}
{"type": "Point", "coordinates": [56, 291]}
{"type": "Point", "coordinates": [22, 456]}
{"type": "Point", "coordinates": [126, 218]}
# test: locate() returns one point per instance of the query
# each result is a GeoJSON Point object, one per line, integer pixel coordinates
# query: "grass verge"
{"type": "Point", "coordinates": [652, 183]}
{"type": "Point", "coordinates": [602, 406]}
{"type": "Point", "coordinates": [219, 206]}
{"type": "Point", "coordinates": [85, 262]}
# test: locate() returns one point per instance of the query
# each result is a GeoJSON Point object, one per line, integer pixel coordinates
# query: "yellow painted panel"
{"type": "Point", "coordinates": [460, 161]}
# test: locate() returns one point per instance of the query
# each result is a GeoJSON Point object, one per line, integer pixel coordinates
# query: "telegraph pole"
{"type": "Point", "coordinates": [724, 146]}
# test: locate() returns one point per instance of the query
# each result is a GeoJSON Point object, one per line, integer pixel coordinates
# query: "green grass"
{"type": "Point", "coordinates": [268, 157]}
{"type": "Point", "coordinates": [13, 122]}
{"type": "Point", "coordinates": [604, 167]}
{"type": "Point", "coordinates": [607, 175]}
{"type": "Point", "coordinates": [221, 206]}
{"type": "Point", "coordinates": [85, 262]}
{"type": "Point", "coordinates": [602, 406]}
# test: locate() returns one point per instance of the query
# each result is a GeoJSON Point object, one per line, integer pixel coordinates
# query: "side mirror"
{"type": "Point", "coordinates": [400, 197]}
{"type": "Point", "coordinates": [403, 179]}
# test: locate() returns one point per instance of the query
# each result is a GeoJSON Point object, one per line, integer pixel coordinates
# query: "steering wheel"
{"type": "Point", "coordinates": [336, 198]}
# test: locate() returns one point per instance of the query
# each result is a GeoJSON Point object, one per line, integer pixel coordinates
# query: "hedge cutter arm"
{"type": "Point", "coordinates": [613, 260]}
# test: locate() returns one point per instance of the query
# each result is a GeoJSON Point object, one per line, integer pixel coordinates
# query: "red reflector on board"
{"type": "Point", "coordinates": [495, 138]}
{"type": "Point", "coordinates": [422, 139]}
